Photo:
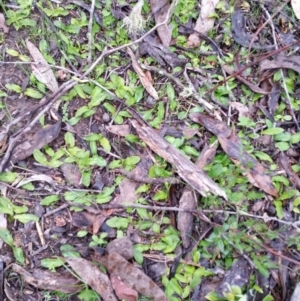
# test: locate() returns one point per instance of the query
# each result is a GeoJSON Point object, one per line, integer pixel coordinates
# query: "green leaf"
{"type": "Point", "coordinates": [261, 267]}
{"type": "Point", "coordinates": [287, 195]}
{"type": "Point", "coordinates": [86, 178]}
{"type": "Point", "coordinates": [97, 160]}
{"type": "Point", "coordinates": [25, 218]}
{"type": "Point", "coordinates": [52, 263]}
{"type": "Point", "coordinates": [295, 138]}
{"type": "Point", "coordinates": [105, 144]}
{"type": "Point", "coordinates": [82, 233]}
{"type": "Point", "coordinates": [116, 164]}
{"type": "Point", "coordinates": [69, 139]}
{"type": "Point", "coordinates": [283, 146]}
{"type": "Point", "coordinates": [160, 195]}
{"type": "Point", "coordinates": [51, 199]}
{"type": "Point", "coordinates": [69, 251]}
{"type": "Point", "coordinates": [118, 222]}
{"type": "Point", "coordinates": [33, 93]}
{"type": "Point", "coordinates": [14, 88]}
{"type": "Point", "coordinates": [133, 160]}
{"type": "Point", "coordinates": [272, 131]}
{"type": "Point", "coordinates": [8, 176]}
{"type": "Point", "coordinates": [143, 188]}
{"type": "Point", "coordinates": [18, 254]}
{"type": "Point", "coordinates": [279, 210]}
{"type": "Point", "coordinates": [6, 236]}
{"type": "Point", "coordinates": [263, 156]}
{"type": "Point", "coordinates": [286, 136]}
{"type": "Point", "coordinates": [88, 295]}
{"type": "Point", "coordinates": [97, 96]}
{"type": "Point", "coordinates": [268, 298]}
{"type": "Point", "coordinates": [12, 52]}
{"type": "Point", "coordinates": [6, 206]}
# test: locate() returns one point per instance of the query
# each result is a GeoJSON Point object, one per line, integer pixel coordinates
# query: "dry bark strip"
{"type": "Point", "coordinates": [188, 171]}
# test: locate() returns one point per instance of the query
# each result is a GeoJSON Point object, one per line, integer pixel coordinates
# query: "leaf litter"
{"type": "Point", "coordinates": [233, 201]}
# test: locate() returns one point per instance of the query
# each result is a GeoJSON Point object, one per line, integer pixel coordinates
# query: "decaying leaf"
{"type": "Point", "coordinates": [282, 61]}
{"type": "Point", "coordinates": [34, 178]}
{"type": "Point", "coordinates": [160, 10]}
{"type": "Point", "coordinates": [91, 275]}
{"type": "Point", "coordinates": [188, 199]}
{"type": "Point", "coordinates": [185, 168]}
{"type": "Point", "coordinates": [238, 275]}
{"type": "Point", "coordinates": [123, 291]}
{"type": "Point", "coordinates": [142, 76]}
{"type": "Point", "coordinates": [61, 282]}
{"type": "Point", "coordinates": [42, 71]}
{"type": "Point", "coordinates": [233, 147]}
{"type": "Point", "coordinates": [72, 174]}
{"type": "Point", "coordinates": [31, 141]}
{"type": "Point", "coordinates": [132, 276]}
{"type": "Point", "coordinates": [2, 24]}
{"type": "Point", "coordinates": [204, 23]}
{"type": "Point", "coordinates": [121, 130]}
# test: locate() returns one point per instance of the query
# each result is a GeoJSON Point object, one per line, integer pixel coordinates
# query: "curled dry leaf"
{"type": "Point", "coordinates": [242, 109]}
{"type": "Point", "coordinates": [42, 70]}
{"type": "Point", "coordinates": [91, 275]}
{"type": "Point", "coordinates": [34, 178]}
{"type": "Point", "coordinates": [233, 147]}
{"type": "Point", "coordinates": [118, 266]}
{"type": "Point", "coordinates": [61, 282]}
{"type": "Point", "coordinates": [204, 23]}
{"type": "Point", "coordinates": [142, 76]}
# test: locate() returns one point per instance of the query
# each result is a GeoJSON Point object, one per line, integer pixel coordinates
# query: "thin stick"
{"type": "Point", "coordinates": [90, 34]}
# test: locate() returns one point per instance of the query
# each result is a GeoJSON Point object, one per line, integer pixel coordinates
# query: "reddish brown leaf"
{"type": "Point", "coordinates": [123, 291]}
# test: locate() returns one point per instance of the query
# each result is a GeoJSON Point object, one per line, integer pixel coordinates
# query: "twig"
{"type": "Point", "coordinates": [64, 206]}
{"type": "Point", "coordinates": [90, 34]}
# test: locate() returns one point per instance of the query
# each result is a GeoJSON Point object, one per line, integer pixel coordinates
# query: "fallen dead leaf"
{"type": "Point", "coordinates": [242, 109]}
{"type": "Point", "coordinates": [31, 141]}
{"type": "Point", "coordinates": [123, 291]}
{"type": "Point", "coordinates": [42, 70]}
{"type": "Point", "coordinates": [46, 280]}
{"type": "Point", "coordinates": [121, 130]}
{"type": "Point", "coordinates": [92, 276]}
{"type": "Point", "coordinates": [142, 76]}
{"type": "Point", "coordinates": [2, 24]}
{"type": "Point", "coordinates": [132, 276]}
{"type": "Point", "coordinates": [282, 61]}
{"type": "Point", "coordinates": [43, 178]}
{"type": "Point", "coordinates": [204, 23]}
{"type": "Point", "coordinates": [296, 7]}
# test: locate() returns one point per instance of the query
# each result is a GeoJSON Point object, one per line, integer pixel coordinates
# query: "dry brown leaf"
{"type": "Point", "coordinates": [95, 278]}
{"type": "Point", "coordinates": [42, 71]}
{"type": "Point", "coordinates": [121, 130]}
{"type": "Point", "coordinates": [123, 291]}
{"type": "Point", "coordinates": [243, 110]}
{"type": "Point", "coordinates": [118, 266]}
{"type": "Point", "coordinates": [282, 61]}
{"type": "Point", "coordinates": [31, 141]}
{"type": "Point", "coordinates": [296, 8]}
{"type": "Point", "coordinates": [47, 280]}
{"type": "Point", "coordinates": [204, 23]}
{"type": "Point", "coordinates": [34, 178]}
{"type": "Point", "coordinates": [2, 24]}
{"type": "Point", "coordinates": [142, 76]}
{"type": "Point", "coordinates": [164, 31]}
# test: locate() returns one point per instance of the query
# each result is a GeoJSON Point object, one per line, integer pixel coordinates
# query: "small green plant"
{"type": "Point", "coordinates": [98, 240]}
